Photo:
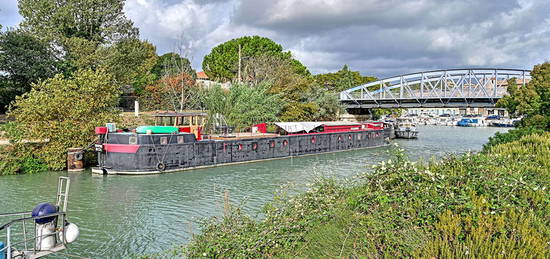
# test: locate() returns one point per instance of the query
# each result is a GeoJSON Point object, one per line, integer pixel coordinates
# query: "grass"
{"type": "Point", "coordinates": [487, 205]}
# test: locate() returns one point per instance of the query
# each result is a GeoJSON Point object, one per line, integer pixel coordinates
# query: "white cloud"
{"type": "Point", "coordinates": [380, 37]}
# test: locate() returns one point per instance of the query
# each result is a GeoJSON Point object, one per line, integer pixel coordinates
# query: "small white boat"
{"type": "Point", "coordinates": [406, 129]}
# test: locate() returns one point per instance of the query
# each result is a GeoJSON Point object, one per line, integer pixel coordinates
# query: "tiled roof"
{"type": "Point", "coordinates": [201, 75]}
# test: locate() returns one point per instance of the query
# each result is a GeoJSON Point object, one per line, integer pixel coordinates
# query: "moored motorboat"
{"type": "Point", "coordinates": [406, 129]}
{"type": "Point", "coordinates": [471, 122]}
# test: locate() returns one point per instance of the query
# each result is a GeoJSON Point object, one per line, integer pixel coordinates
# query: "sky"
{"type": "Point", "coordinates": [376, 37]}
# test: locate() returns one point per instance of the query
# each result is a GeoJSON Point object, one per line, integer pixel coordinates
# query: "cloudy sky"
{"type": "Point", "coordinates": [377, 37]}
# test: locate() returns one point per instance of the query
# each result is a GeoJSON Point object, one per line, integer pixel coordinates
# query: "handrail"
{"type": "Point", "coordinates": [31, 239]}
{"type": "Point", "coordinates": [27, 218]}
{"type": "Point", "coordinates": [14, 213]}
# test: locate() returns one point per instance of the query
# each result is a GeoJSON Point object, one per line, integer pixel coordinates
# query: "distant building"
{"type": "Point", "coordinates": [201, 76]}
{"type": "Point", "coordinates": [202, 79]}
{"type": "Point", "coordinates": [458, 111]}
{"type": "Point", "coordinates": [433, 111]}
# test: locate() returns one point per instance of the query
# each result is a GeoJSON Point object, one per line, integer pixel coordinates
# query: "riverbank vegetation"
{"type": "Point", "coordinates": [495, 203]}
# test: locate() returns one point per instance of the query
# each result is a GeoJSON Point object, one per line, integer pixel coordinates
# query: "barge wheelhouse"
{"type": "Point", "coordinates": [158, 149]}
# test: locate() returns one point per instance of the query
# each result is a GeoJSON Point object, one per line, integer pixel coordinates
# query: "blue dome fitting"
{"type": "Point", "coordinates": [44, 209]}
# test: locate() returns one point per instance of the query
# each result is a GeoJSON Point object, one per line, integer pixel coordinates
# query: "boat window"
{"type": "Point", "coordinates": [285, 143]}
{"type": "Point", "coordinates": [164, 140]}
{"type": "Point", "coordinates": [339, 138]}
{"type": "Point", "coordinates": [359, 137]}
{"type": "Point", "coordinates": [240, 146]}
{"type": "Point", "coordinates": [254, 146]}
{"type": "Point", "coordinates": [272, 144]}
{"type": "Point", "coordinates": [181, 140]}
{"type": "Point", "coordinates": [313, 140]}
{"type": "Point", "coordinates": [349, 137]}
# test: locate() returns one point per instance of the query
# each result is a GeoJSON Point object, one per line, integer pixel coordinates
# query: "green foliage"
{"type": "Point", "coordinates": [23, 60]}
{"type": "Point", "coordinates": [20, 158]}
{"type": "Point", "coordinates": [91, 34]}
{"type": "Point", "coordinates": [531, 101]}
{"type": "Point", "coordinates": [481, 234]}
{"type": "Point", "coordinates": [494, 203]}
{"type": "Point", "coordinates": [378, 113]}
{"type": "Point", "coordinates": [60, 113]}
{"type": "Point", "coordinates": [243, 105]}
{"type": "Point", "coordinates": [298, 111]}
{"type": "Point", "coordinates": [171, 64]}
{"type": "Point", "coordinates": [129, 61]}
{"type": "Point", "coordinates": [222, 62]}
{"type": "Point", "coordinates": [101, 21]}
{"type": "Point", "coordinates": [511, 135]}
{"type": "Point", "coordinates": [343, 79]}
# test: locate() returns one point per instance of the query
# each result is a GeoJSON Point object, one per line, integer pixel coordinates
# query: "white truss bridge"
{"type": "Point", "coordinates": [468, 87]}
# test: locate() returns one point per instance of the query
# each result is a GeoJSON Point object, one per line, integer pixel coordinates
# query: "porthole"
{"type": "Point", "coordinates": [132, 140]}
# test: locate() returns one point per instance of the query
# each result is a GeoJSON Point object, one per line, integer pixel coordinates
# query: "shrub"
{"type": "Point", "coordinates": [20, 158]}
{"type": "Point", "coordinates": [512, 135]}
{"type": "Point", "coordinates": [62, 113]}
{"type": "Point", "coordinates": [482, 234]}
{"type": "Point", "coordinates": [474, 205]}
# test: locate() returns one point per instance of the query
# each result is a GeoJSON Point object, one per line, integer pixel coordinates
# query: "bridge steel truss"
{"type": "Point", "coordinates": [469, 87]}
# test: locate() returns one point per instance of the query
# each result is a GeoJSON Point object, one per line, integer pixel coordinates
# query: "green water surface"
{"type": "Point", "coordinates": [125, 216]}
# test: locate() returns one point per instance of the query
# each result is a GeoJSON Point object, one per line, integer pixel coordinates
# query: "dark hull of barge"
{"type": "Point", "coordinates": [162, 153]}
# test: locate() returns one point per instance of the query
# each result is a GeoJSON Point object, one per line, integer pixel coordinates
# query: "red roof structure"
{"type": "Point", "coordinates": [202, 75]}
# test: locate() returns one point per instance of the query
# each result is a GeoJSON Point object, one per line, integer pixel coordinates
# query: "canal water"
{"type": "Point", "coordinates": [125, 216]}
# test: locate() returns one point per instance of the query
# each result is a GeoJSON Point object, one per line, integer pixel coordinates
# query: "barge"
{"type": "Point", "coordinates": [160, 149]}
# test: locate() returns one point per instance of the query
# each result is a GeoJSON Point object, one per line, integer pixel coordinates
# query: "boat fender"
{"type": "Point", "coordinates": [70, 233]}
{"type": "Point", "coordinates": [161, 166]}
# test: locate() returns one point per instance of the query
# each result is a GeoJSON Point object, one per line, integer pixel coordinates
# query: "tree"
{"type": "Point", "coordinates": [175, 87]}
{"type": "Point", "coordinates": [531, 101]}
{"type": "Point", "coordinates": [63, 112]}
{"type": "Point", "coordinates": [172, 92]}
{"type": "Point", "coordinates": [222, 63]}
{"type": "Point", "coordinates": [91, 34]}
{"type": "Point", "coordinates": [243, 105]}
{"type": "Point", "coordinates": [129, 60]}
{"type": "Point", "coordinates": [23, 60]}
{"type": "Point", "coordinates": [101, 21]}
{"type": "Point", "coordinates": [172, 64]}
{"type": "Point", "coordinates": [343, 79]}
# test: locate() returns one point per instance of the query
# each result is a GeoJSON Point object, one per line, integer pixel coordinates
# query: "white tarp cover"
{"type": "Point", "coordinates": [293, 127]}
